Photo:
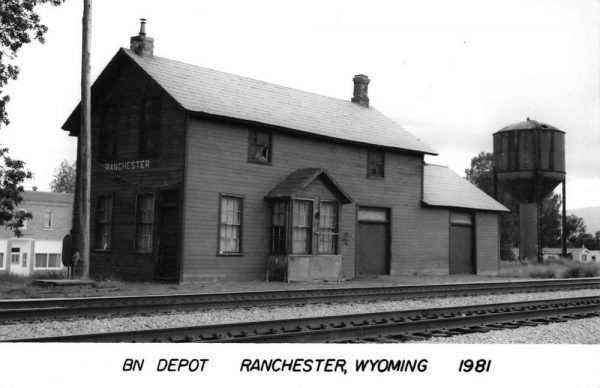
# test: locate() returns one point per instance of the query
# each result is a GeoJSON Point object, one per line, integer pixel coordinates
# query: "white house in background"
{"type": "Point", "coordinates": [582, 254]}
{"type": "Point", "coordinates": [38, 251]}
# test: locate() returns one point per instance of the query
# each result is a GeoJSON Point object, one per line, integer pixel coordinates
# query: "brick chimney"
{"type": "Point", "coordinates": [361, 89]}
{"type": "Point", "coordinates": [142, 44]}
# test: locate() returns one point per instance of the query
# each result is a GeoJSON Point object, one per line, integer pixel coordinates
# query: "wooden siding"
{"type": "Point", "coordinates": [127, 90]}
{"type": "Point", "coordinates": [487, 243]}
{"type": "Point", "coordinates": [430, 244]}
{"type": "Point", "coordinates": [217, 163]}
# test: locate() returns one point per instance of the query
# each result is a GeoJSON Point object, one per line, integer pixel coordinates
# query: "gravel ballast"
{"type": "Point", "coordinates": [579, 331]}
{"type": "Point", "coordinates": [217, 316]}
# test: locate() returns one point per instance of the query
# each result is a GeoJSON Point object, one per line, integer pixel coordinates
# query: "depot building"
{"type": "Point", "coordinates": [199, 174]}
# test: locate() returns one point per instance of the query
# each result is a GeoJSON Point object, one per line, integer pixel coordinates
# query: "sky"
{"type": "Point", "coordinates": [450, 72]}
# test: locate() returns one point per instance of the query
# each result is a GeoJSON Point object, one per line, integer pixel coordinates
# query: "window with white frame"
{"type": "Point", "coordinates": [279, 227]}
{"type": "Point", "coordinates": [230, 225]}
{"type": "Point", "coordinates": [1, 259]}
{"type": "Point", "coordinates": [302, 216]}
{"type": "Point", "coordinates": [328, 228]}
{"type": "Point", "coordinates": [47, 260]}
{"type": "Point", "coordinates": [144, 223]}
{"type": "Point", "coordinates": [103, 222]}
{"type": "Point", "coordinates": [48, 219]}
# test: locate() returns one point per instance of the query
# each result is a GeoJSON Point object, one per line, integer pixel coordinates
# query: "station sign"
{"type": "Point", "coordinates": [128, 165]}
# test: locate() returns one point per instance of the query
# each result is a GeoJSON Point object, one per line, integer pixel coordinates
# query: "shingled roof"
{"type": "Point", "coordinates": [444, 188]}
{"type": "Point", "coordinates": [212, 92]}
{"type": "Point", "coordinates": [297, 181]}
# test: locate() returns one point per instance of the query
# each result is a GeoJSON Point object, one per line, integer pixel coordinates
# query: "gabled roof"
{"type": "Point", "coordinates": [206, 91]}
{"type": "Point", "coordinates": [297, 181]}
{"type": "Point", "coordinates": [444, 188]}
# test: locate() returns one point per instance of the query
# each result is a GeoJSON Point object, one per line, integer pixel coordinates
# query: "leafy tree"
{"type": "Point", "coordinates": [19, 24]}
{"type": "Point", "coordinates": [64, 178]}
{"type": "Point", "coordinates": [481, 174]}
{"type": "Point", "coordinates": [576, 230]}
{"type": "Point", "coordinates": [552, 221]}
{"type": "Point", "coordinates": [12, 175]}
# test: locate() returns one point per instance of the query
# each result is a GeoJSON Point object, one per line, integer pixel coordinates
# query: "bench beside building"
{"type": "Point", "coordinates": [203, 175]}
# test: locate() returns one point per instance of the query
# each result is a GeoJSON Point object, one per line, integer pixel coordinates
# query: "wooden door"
{"type": "Point", "coordinates": [461, 250]}
{"type": "Point", "coordinates": [168, 261]}
{"type": "Point", "coordinates": [372, 255]}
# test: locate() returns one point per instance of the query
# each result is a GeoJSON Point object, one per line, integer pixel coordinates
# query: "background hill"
{"type": "Point", "coordinates": [591, 216]}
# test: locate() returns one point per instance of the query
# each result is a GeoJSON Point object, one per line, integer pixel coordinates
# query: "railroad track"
{"type": "Point", "coordinates": [397, 325]}
{"type": "Point", "coordinates": [53, 308]}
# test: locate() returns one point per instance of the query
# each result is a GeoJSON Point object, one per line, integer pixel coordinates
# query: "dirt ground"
{"type": "Point", "coordinates": [17, 288]}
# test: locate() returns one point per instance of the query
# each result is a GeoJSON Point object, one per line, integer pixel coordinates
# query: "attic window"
{"type": "Point", "coordinates": [259, 146]}
{"type": "Point", "coordinates": [375, 164]}
{"type": "Point", "coordinates": [108, 132]}
{"type": "Point", "coordinates": [149, 128]}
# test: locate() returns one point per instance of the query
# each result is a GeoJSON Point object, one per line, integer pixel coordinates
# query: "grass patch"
{"type": "Point", "coordinates": [550, 269]}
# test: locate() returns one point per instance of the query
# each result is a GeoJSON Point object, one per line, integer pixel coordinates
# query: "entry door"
{"type": "Point", "coordinates": [167, 265]}
{"type": "Point", "coordinates": [461, 244]}
{"type": "Point", "coordinates": [19, 261]}
{"type": "Point", "coordinates": [373, 241]}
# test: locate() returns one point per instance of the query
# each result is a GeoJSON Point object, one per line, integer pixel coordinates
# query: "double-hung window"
{"type": "Point", "coordinates": [328, 228]}
{"type": "Point", "coordinates": [302, 226]}
{"type": "Point", "coordinates": [375, 164]}
{"type": "Point", "coordinates": [103, 222]}
{"type": "Point", "coordinates": [144, 223]}
{"type": "Point", "coordinates": [279, 226]}
{"type": "Point", "coordinates": [230, 225]}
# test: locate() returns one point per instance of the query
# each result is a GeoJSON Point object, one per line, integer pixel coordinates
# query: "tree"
{"type": "Point", "coordinates": [576, 230]}
{"type": "Point", "coordinates": [552, 221]}
{"type": "Point", "coordinates": [481, 174]}
{"type": "Point", "coordinates": [64, 178]}
{"type": "Point", "coordinates": [12, 175]}
{"type": "Point", "coordinates": [19, 24]}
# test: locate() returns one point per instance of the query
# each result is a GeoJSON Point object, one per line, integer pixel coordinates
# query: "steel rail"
{"type": "Point", "coordinates": [50, 308]}
{"type": "Point", "coordinates": [402, 325]}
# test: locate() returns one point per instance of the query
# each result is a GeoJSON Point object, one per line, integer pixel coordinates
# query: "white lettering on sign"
{"type": "Point", "coordinates": [130, 165]}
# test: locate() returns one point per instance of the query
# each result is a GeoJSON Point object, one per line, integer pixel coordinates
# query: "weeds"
{"type": "Point", "coordinates": [550, 269]}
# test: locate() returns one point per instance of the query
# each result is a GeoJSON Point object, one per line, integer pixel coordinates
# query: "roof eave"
{"type": "Point", "coordinates": [462, 208]}
{"type": "Point", "coordinates": [205, 115]}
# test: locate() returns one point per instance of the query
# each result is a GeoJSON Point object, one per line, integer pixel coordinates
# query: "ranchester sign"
{"type": "Point", "coordinates": [129, 165]}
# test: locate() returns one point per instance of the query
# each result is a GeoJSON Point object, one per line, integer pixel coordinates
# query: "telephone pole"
{"type": "Point", "coordinates": [85, 147]}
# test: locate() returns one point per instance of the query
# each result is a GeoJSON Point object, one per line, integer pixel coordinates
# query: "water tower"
{"type": "Point", "coordinates": [529, 162]}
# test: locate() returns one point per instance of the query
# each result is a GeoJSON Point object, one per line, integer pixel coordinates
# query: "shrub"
{"type": "Point", "coordinates": [542, 273]}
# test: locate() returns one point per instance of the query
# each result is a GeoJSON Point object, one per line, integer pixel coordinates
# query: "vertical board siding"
{"type": "Point", "coordinates": [217, 163]}
{"type": "Point", "coordinates": [429, 243]}
{"type": "Point", "coordinates": [488, 246]}
{"type": "Point", "coordinates": [127, 91]}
